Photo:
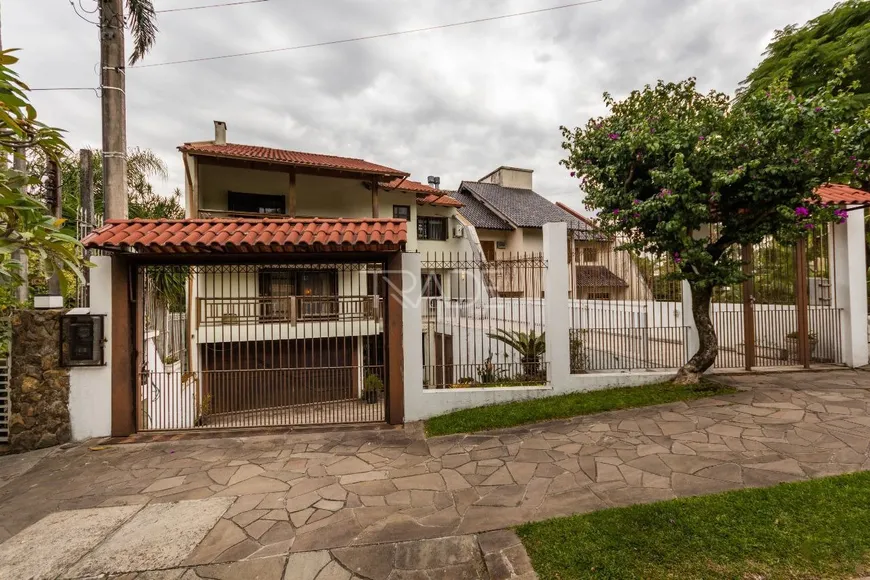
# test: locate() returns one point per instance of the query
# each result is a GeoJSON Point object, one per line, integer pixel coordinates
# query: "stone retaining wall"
{"type": "Point", "coordinates": [39, 388]}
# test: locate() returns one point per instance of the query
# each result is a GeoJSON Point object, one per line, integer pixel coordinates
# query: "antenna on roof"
{"type": "Point", "coordinates": [435, 181]}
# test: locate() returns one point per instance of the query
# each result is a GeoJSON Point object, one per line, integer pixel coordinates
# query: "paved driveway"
{"type": "Point", "coordinates": [305, 493]}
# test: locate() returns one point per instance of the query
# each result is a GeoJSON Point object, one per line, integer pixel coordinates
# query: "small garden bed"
{"type": "Point", "coordinates": [563, 406]}
{"type": "Point", "coordinates": [814, 529]}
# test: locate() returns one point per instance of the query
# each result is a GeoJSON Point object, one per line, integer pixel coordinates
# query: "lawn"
{"type": "Point", "coordinates": [548, 408]}
{"type": "Point", "coordinates": [814, 529]}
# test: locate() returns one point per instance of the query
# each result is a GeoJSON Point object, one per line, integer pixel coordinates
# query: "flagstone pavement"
{"type": "Point", "coordinates": [359, 503]}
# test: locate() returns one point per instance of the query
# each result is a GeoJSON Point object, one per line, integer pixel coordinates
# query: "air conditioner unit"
{"type": "Point", "coordinates": [459, 232]}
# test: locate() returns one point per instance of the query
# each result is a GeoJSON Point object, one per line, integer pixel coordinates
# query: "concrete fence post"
{"type": "Point", "coordinates": [557, 305]}
{"type": "Point", "coordinates": [850, 285]}
{"type": "Point", "coordinates": [412, 333]}
{"type": "Point", "coordinates": [90, 398]}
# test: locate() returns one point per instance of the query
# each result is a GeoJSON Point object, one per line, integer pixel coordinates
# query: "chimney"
{"type": "Point", "coordinates": [220, 133]}
{"type": "Point", "coordinates": [435, 181]}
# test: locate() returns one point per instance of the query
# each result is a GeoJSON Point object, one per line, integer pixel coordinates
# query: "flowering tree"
{"type": "Point", "coordinates": [694, 176]}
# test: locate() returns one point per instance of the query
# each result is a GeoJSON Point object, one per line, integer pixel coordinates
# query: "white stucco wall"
{"type": "Point", "coordinates": [90, 396]}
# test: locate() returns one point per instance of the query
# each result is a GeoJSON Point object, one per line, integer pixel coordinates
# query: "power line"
{"type": "Point", "coordinates": [64, 89]}
{"type": "Point", "coordinates": [209, 6]}
{"type": "Point", "coordinates": [373, 36]}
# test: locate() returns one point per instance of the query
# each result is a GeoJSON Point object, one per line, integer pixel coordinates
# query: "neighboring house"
{"type": "Point", "coordinates": [508, 218]}
{"type": "Point", "coordinates": [600, 271]}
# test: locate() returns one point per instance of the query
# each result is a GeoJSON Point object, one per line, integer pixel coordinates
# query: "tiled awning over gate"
{"type": "Point", "coordinates": [245, 236]}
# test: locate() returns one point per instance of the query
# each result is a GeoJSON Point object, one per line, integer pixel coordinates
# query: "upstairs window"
{"type": "Point", "coordinates": [256, 203]}
{"type": "Point", "coordinates": [431, 228]}
{"type": "Point", "coordinates": [402, 212]}
{"type": "Point", "coordinates": [590, 255]}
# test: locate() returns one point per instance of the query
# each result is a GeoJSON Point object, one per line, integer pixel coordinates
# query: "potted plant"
{"type": "Point", "coordinates": [792, 345]}
{"type": "Point", "coordinates": [373, 386]}
{"type": "Point", "coordinates": [530, 347]}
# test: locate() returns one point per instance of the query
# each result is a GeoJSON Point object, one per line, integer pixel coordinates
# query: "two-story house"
{"type": "Point", "coordinates": [287, 332]}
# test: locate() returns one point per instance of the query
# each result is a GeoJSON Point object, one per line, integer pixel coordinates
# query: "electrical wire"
{"type": "Point", "coordinates": [370, 37]}
{"type": "Point", "coordinates": [209, 6]}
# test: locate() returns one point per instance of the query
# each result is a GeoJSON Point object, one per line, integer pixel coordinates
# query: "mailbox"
{"type": "Point", "coordinates": [82, 339]}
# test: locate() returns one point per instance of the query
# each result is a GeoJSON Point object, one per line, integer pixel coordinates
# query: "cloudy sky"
{"type": "Point", "coordinates": [456, 102]}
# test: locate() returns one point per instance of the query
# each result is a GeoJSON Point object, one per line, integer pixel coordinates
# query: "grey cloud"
{"type": "Point", "coordinates": [456, 102]}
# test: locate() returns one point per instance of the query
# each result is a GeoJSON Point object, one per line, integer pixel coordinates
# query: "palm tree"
{"type": "Point", "coordinates": [142, 21]}
{"type": "Point", "coordinates": [530, 346]}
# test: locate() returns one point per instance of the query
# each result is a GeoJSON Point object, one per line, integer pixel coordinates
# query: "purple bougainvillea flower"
{"type": "Point", "coordinates": [573, 174]}
{"type": "Point", "coordinates": [801, 211]}
{"type": "Point", "coordinates": [636, 215]}
{"type": "Point", "coordinates": [701, 138]}
{"type": "Point", "coordinates": [818, 109]}
{"type": "Point", "coordinates": [614, 136]}
{"type": "Point", "coordinates": [636, 202]}
{"type": "Point", "coordinates": [837, 130]}
{"type": "Point", "coordinates": [616, 212]}
{"type": "Point", "coordinates": [809, 226]}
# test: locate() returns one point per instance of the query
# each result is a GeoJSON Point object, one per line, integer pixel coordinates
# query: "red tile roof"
{"type": "Point", "coordinates": [234, 236]}
{"type": "Point", "coordinates": [408, 185]}
{"type": "Point", "coordinates": [295, 158]}
{"type": "Point", "coordinates": [439, 199]}
{"type": "Point", "coordinates": [426, 194]}
{"type": "Point", "coordinates": [598, 277]}
{"type": "Point", "coordinates": [843, 195]}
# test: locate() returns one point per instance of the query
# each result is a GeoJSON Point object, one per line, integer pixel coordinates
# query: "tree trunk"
{"type": "Point", "coordinates": [691, 372]}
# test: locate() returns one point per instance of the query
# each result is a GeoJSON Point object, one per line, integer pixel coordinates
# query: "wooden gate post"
{"type": "Point", "coordinates": [122, 349]}
{"type": "Point", "coordinates": [394, 341]}
{"type": "Point", "coordinates": [748, 308]}
{"type": "Point", "coordinates": [802, 305]}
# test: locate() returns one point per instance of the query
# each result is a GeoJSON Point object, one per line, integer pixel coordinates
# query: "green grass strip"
{"type": "Point", "coordinates": [563, 406]}
{"type": "Point", "coordinates": [814, 529]}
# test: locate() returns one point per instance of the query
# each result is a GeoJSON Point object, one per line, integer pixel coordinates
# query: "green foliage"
{"type": "Point", "coordinates": [577, 352]}
{"type": "Point", "coordinates": [809, 55]}
{"type": "Point", "coordinates": [373, 383]}
{"type": "Point", "coordinates": [143, 165]}
{"type": "Point", "coordinates": [142, 21]}
{"type": "Point", "coordinates": [530, 346]}
{"type": "Point", "coordinates": [548, 408]}
{"type": "Point", "coordinates": [489, 374]}
{"type": "Point", "coordinates": [809, 529]}
{"type": "Point", "coordinates": [25, 223]}
{"type": "Point", "coordinates": [668, 161]}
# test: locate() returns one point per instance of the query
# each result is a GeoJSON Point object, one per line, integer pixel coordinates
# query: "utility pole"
{"type": "Point", "coordinates": [112, 69]}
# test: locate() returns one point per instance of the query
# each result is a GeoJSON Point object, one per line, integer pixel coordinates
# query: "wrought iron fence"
{"type": "Point", "coordinates": [85, 224]}
{"type": "Point", "coordinates": [260, 345]}
{"type": "Point", "coordinates": [483, 320]}
{"type": "Point", "coordinates": [626, 311]}
{"type": "Point", "coordinates": [786, 312]}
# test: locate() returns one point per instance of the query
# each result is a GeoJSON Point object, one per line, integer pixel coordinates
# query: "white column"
{"type": "Point", "coordinates": [693, 343]}
{"type": "Point", "coordinates": [850, 284]}
{"type": "Point", "coordinates": [412, 335]}
{"type": "Point", "coordinates": [557, 304]}
{"type": "Point", "coordinates": [90, 393]}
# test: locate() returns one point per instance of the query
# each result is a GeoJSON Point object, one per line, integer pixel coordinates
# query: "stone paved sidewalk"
{"type": "Point", "coordinates": [323, 491]}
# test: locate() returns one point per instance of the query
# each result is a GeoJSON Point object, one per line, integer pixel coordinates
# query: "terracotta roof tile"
{"type": "Point", "coordinates": [282, 156]}
{"type": "Point", "coordinates": [426, 194]}
{"type": "Point", "coordinates": [233, 236]}
{"type": "Point", "coordinates": [843, 195]}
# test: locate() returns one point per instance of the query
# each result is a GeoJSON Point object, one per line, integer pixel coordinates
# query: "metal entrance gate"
{"type": "Point", "coordinates": [257, 345]}
{"type": "Point", "coordinates": [787, 313]}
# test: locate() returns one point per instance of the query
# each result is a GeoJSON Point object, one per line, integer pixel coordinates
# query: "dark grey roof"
{"type": "Point", "coordinates": [522, 207]}
{"type": "Point", "coordinates": [598, 277]}
{"type": "Point", "coordinates": [478, 214]}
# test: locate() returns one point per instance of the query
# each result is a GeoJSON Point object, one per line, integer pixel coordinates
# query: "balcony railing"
{"type": "Point", "coordinates": [287, 309]}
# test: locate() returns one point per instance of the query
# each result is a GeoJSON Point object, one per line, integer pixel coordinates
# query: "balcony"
{"type": "Point", "coordinates": [290, 310]}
